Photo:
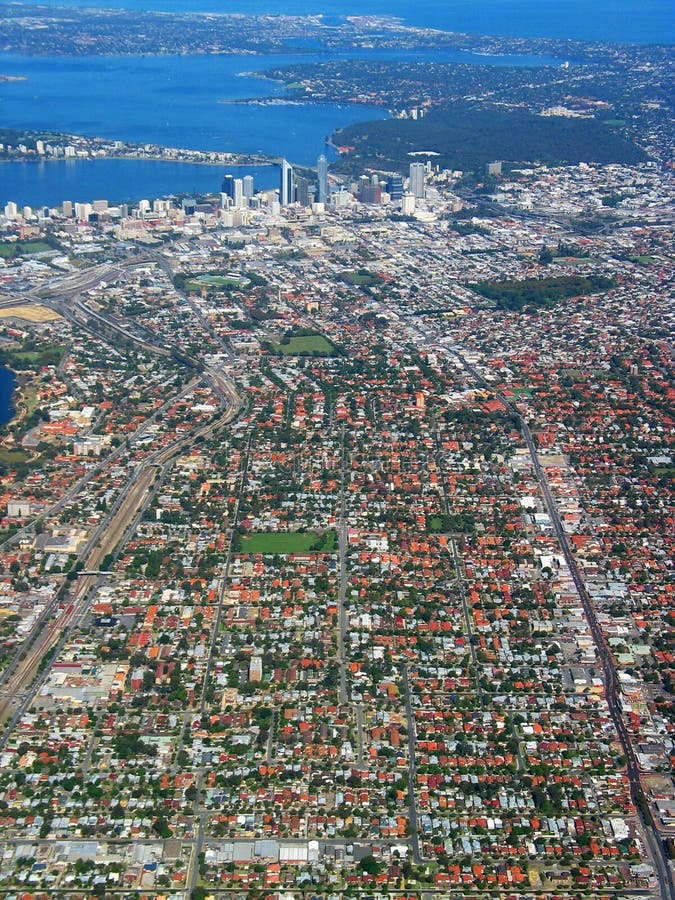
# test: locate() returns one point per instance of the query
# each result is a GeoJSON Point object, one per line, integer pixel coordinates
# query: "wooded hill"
{"type": "Point", "coordinates": [467, 139]}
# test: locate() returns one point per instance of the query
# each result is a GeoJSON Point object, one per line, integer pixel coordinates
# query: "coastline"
{"type": "Point", "coordinates": [11, 396]}
{"type": "Point", "coordinates": [122, 179]}
{"type": "Point", "coordinates": [160, 156]}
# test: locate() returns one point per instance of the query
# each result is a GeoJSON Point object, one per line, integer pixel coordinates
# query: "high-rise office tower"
{"type": "Point", "coordinates": [303, 191]}
{"type": "Point", "coordinates": [227, 187]}
{"type": "Point", "coordinates": [395, 187]}
{"type": "Point", "coordinates": [84, 210]}
{"type": "Point", "coordinates": [322, 176]}
{"type": "Point", "coordinates": [417, 179]}
{"type": "Point", "coordinates": [286, 186]}
{"type": "Point", "coordinates": [248, 187]}
{"type": "Point", "coordinates": [239, 201]}
{"type": "Point", "coordinates": [369, 190]}
{"type": "Point", "coordinates": [408, 204]}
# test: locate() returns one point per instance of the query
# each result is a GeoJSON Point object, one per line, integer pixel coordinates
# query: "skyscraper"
{"type": "Point", "coordinates": [408, 204]}
{"type": "Point", "coordinates": [286, 186]}
{"type": "Point", "coordinates": [239, 201]}
{"type": "Point", "coordinates": [248, 187]}
{"type": "Point", "coordinates": [227, 187]}
{"type": "Point", "coordinates": [322, 175]}
{"type": "Point", "coordinates": [395, 187]}
{"type": "Point", "coordinates": [303, 194]}
{"type": "Point", "coordinates": [369, 190]}
{"type": "Point", "coordinates": [417, 179]}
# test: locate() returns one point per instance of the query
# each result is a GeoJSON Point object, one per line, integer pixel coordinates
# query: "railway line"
{"type": "Point", "coordinates": [74, 604]}
{"type": "Point", "coordinates": [20, 679]}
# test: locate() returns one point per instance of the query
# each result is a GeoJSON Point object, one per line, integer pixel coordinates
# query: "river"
{"type": "Point", "coordinates": [193, 102]}
{"type": "Point", "coordinates": [7, 387]}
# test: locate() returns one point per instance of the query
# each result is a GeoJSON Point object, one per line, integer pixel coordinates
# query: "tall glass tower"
{"type": "Point", "coordinates": [417, 179]}
{"type": "Point", "coordinates": [322, 175]}
{"type": "Point", "coordinates": [286, 186]}
{"type": "Point", "coordinates": [227, 187]}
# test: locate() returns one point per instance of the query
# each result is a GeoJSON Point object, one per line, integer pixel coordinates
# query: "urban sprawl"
{"type": "Point", "coordinates": [337, 539]}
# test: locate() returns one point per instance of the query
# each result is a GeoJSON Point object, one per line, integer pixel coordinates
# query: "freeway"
{"type": "Point", "coordinates": [111, 532]}
{"type": "Point", "coordinates": [82, 482]}
{"type": "Point", "coordinates": [79, 312]}
{"type": "Point", "coordinates": [57, 292]}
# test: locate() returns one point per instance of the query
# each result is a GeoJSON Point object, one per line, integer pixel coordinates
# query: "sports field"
{"type": "Point", "coordinates": [31, 313]}
{"type": "Point", "coordinates": [283, 542]}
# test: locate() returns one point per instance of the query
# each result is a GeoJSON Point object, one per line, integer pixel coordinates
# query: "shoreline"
{"type": "Point", "coordinates": [15, 399]}
{"type": "Point", "coordinates": [188, 176]}
{"type": "Point", "coordinates": [236, 160]}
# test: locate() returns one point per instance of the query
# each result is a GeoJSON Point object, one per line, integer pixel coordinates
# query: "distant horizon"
{"type": "Point", "coordinates": [622, 21]}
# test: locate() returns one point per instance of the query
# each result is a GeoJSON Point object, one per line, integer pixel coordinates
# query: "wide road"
{"type": "Point", "coordinates": [412, 768]}
{"type": "Point", "coordinates": [343, 696]}
{"type": "Point", "coordinates": [657, 849]}
{"type": "Point", "coordinates": [193, 872]}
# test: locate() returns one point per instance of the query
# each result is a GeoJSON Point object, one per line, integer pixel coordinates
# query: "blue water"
{"type": "Point", "coordinates": [647, 21]}
{"type": "Point", "coordinates": [169, 100]}
{"type": "Point", "coordinates": [49, 183]}
{"type": "Point", "coordinates": [174, 101]}
{"type": "Point", "coordinates": [7, 385]}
